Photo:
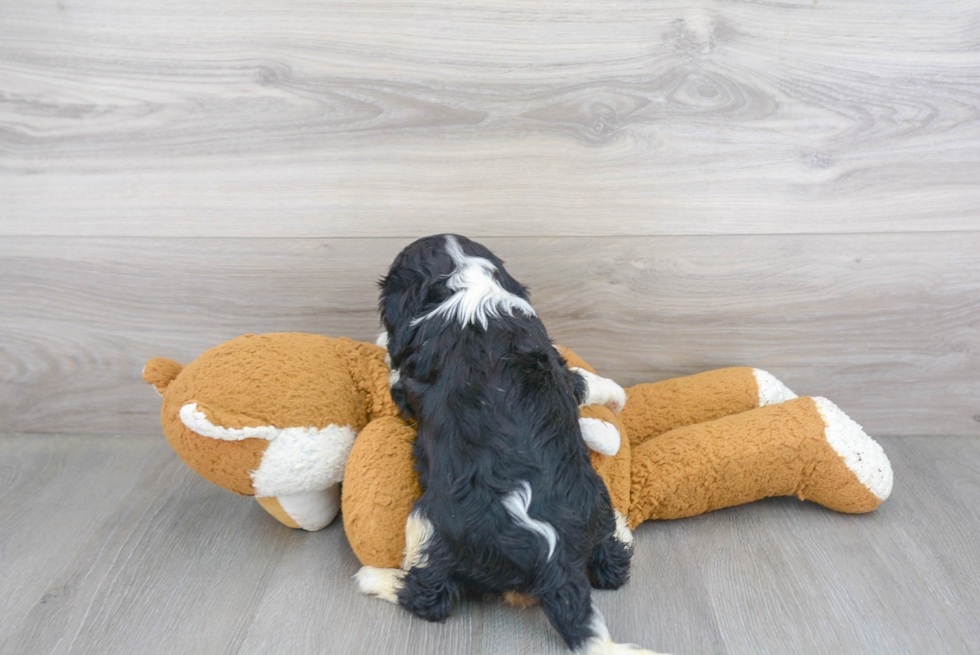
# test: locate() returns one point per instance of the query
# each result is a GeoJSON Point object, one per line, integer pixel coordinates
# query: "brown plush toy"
{"type": "Point", "coordinates": [275, 416]}
{"type": "Point", "coordinates": [686, 446]}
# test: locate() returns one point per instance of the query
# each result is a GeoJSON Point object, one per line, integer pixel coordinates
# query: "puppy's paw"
{"type": "Point", "coordinates": [602, 391]}
{"type": "Point", "coordinates": [623, 532]}
{"type": "Point", "coordinates": [601, 436]}
{"type": "Point", "coordinates": [380, 583]}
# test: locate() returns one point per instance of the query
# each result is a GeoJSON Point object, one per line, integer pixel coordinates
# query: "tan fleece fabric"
{"type": "Point", "coordinates": [284, 379]}
{"type": "Point", "coordinates": [370, 374]}
{"type": "Point", "coordinates": [225, 463]}
{"type": "Point", "coordinates": [274, 507]}
{"type": "Point", "coordinates": [380, 486]}
{"type": "Point", "coordinates": [615, 470]}
{"type": "Point", "coordinates": [160, 372]}
{"type": "Point", "coordinates": [776, 450]}
{"type": "Point", "coordinates": [280, 379]}
{"type": "Point", "coordinates": [574, 361]}
{"type": "Point", "coordinates": [657, 407]}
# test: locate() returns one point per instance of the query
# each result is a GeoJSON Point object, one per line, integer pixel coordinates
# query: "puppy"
{"type": "Point", "coordinates": [511, 502]}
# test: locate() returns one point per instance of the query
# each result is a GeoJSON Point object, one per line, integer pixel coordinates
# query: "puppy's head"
{"type": "Point", "coordinates": [444, 272]}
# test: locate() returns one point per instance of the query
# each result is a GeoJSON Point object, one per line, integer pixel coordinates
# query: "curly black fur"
{"type": "Point", "coordinates": [496, 407]}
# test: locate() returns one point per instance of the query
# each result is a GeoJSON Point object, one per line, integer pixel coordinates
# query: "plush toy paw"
{"type": "Point", "coordinates": [311, 510]}
{"type": "Point", "coordinates": [771, 390]}
{"type": "Point", "coordinates": [601, 436]}
{"type": "Point", "coordinates": [861, 454]}
{"type": "Point", "coordinates": [602, 391]}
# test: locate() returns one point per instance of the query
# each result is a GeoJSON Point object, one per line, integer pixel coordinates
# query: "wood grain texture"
{"type": "Point", "coordinates": [111, 545]}
{"type": "Point", "coordinates": [52, 501]}
{"type": "Point", "coordinates": [327, 119]}
{"type": "Point", "coordinates": [887, 326]}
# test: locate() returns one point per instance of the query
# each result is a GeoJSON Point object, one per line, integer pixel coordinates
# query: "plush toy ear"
{"type": "Point", "coordinates": [160, 372]}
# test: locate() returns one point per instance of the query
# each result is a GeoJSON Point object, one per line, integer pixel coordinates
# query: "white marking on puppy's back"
{"type": "Point", "coordinates": [478, 296]}
{"type": "Point", "coordinates": [516, 503]}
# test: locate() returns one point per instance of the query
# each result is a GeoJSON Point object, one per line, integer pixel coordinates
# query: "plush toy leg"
{"type": "Point", "coordinates": [805, 447]}
{"type": "Point", "coordinates": [313, 510]}
{"type": "Point", "coordinates": [380, 487]}
{"type": "Point", "coordinates": [654, 408]}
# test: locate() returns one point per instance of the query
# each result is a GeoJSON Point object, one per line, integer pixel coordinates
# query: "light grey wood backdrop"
{"type": "Point", "coordinates": [684, 185]}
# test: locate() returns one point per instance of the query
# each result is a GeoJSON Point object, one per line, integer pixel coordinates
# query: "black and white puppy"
{"type": "Point", "coordinates": [510, 501]}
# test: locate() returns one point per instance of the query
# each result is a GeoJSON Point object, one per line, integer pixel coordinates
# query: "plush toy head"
{"type": "Point", "coordinates": [274, 416]}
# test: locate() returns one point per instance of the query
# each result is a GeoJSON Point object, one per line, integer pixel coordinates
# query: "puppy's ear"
{"type": "Point", "coordinates": [402, 296]}
{"type": "Point", "coordinates": [399, 393]}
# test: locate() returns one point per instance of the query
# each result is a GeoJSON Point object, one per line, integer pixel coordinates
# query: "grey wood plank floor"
{"type": "Point", "coordinates": [111, 545]}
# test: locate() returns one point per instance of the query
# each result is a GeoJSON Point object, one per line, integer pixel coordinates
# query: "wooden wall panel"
{"type": "Point", "coordinates": [333, 118]}
{"type": "Point", "coordinates": [887, 326]}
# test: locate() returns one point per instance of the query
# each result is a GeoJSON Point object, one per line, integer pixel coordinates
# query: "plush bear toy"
{"type": "Point", "coordinates": [686, 446]}
{"type": "Point", "coordinates": [275, 416]}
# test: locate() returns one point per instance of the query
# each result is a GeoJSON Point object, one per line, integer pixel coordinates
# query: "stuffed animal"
{"type": "Point", "coordinates": [275, 416]}
{"type": "Point", "coordinates": [686, 446]}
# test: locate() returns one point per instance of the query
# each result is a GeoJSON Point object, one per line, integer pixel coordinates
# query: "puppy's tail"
{"type": "Point", "coordinates": [517, 503]}
{"type": "Point", "coordinates": [601, 644]}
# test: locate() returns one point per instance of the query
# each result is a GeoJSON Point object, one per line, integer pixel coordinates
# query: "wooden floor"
{"type": "Point", "coordinates": [111, 545]}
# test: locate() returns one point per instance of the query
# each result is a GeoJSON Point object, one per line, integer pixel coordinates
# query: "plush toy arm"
{"type": "Point", "coordinates": [601, 391]}
{"type": "Point", "coordinates": [805, 447]}
{"type": "Point", "coordinates": [654, 408]}
{"type": "Point", "coordinates": [311, 510]}
{"type": "Point", "coordinates": [600, 436]}
{"type": "Point", "coordinates": [380, 487]}
{"type": "Point", "coordinates": [614, 469]}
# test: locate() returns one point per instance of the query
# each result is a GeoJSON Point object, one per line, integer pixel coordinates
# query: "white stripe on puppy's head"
{"type": "Point", "coordinates": [478, 295]}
